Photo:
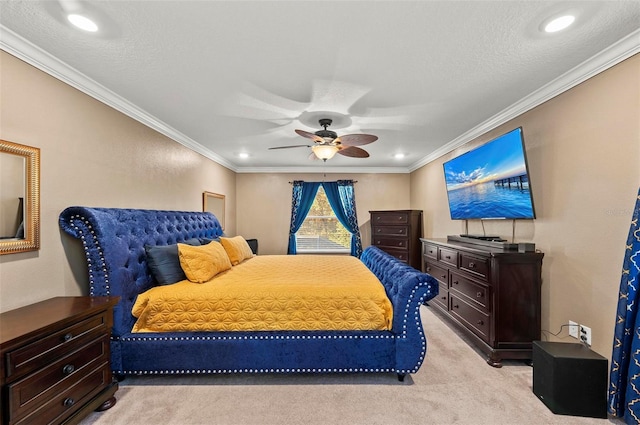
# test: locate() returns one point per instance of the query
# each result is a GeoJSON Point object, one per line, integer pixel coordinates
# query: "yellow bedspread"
{"type": "Point", "coordinates": [271, 292]}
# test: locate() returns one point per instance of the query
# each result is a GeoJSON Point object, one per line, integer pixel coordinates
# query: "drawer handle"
{"type": "Point", "coordinates": [68, 402]}
{"type": "Point", "coordinates": [378, 230]}
{"type": "Point", "coordinates": [456, 306]}
{"type": "Point", "coordinates": [67, 337]}
{"type": "Point", "coordinates": [448, 257]}
{"type": "Point", "coordinates": [400, 244]}
{"type": "Point", "coordinates": [378, 218]}
{"type": "Point", "coordinates": [455, 282]}
{"type": "Point", "coordinates": [479, 294]}
{"type": "Point", "coordinates": [480, 322]}
{"type": "Point", "coordinates": [68, 369]}
{"type": "Point", "coordinates": [444, 297]}
{"type": "Point", "coordinates": [444, 276]}
{"type": "Point", "coordinates": [472, 264]}
{"type": "Point", "coordinates": [428, 269]}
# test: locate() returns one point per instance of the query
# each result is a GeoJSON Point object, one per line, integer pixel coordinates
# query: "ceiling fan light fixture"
{"type": "Point", "coordinates": [324, 152]}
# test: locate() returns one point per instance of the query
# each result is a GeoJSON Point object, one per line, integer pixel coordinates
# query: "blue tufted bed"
{"type": "Point", "coordinates": [114, 244]}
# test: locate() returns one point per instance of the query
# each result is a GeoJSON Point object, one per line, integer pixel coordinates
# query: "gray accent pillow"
{"type": "Point", "coordinates": [164, 263]}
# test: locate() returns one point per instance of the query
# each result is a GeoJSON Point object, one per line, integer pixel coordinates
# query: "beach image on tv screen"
{"type": "Point", "coordinates": [490, 181]}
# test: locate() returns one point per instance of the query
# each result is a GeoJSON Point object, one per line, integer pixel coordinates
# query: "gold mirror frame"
{"type": "Point", "coordinates": [31, 241]}
{"type": "Point", "coordinates": [214, 203]}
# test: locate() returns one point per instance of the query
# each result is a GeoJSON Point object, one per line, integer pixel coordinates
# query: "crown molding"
{"type": "Point", "coordinates": [19, 47]}
{"type": "Point", "coordinates": [612, 55]}
{"type": "Point", "coordinates": [332, 170]}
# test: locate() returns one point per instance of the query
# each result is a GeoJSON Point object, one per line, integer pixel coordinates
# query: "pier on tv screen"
{"type": "Point", "coordinates": [491, 181]}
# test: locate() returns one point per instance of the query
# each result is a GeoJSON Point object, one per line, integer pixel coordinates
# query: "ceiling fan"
{"type": "Point", "coordinates": [327, 143]}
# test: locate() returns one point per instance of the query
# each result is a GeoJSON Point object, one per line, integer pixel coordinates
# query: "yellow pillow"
{"type": "Point", "coordinates": [201, 263]}
{"type": "Point", "coordinates": [237, 249]}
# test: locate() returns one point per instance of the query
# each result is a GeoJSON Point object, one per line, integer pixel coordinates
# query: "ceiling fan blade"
{"type": "Point", "coordinates": [354, 152]}
{"type": "Point", "coordinates": [311, 136]}
{"type": "Point", "coordinates": [290, 146]}
{"type": "Point", "coordinates": [356, 139]}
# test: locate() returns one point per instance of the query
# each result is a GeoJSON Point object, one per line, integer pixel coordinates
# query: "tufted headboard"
{"type": "Point", "coordinates": [114, 239]}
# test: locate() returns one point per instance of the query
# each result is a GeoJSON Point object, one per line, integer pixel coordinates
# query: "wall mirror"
{"type": "Point", "coordinates": [19, 198]}
{"type": "Point", "coordinates": [214, 203]}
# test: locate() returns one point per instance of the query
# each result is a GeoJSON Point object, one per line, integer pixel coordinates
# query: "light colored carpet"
{"type": "Point", "coordinates": [454, 386]}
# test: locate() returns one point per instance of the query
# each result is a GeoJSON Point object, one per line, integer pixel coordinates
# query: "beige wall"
{"type": "Point", "coordinates": [583, 149]}
{"type": "Point", "coordinates": [264, 203]}
{"type": "Point", "coordinates": [90, 155]}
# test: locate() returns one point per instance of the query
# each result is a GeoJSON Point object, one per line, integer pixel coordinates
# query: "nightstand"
{"type": "Point", "coordinates": [55, 360]}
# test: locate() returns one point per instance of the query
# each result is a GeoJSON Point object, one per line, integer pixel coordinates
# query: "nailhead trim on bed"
{"type": "Point", "coordinates": [292, 370]}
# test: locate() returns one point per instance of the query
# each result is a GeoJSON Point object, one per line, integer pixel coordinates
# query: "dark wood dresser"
{"type": "Point", "coordinates": [491, 295]}
{"type": "Point", "coordinates": [398, 233]}
{"type": "Point", "coordinates": [55, 366]}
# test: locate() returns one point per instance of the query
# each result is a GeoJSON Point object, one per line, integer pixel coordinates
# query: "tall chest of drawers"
{"type": "Point", "coordinates": [55, 366]}
{"type": "Point", "coordinates": [398, 233]}
{"type": "Point", "coordinates": [491, 295]}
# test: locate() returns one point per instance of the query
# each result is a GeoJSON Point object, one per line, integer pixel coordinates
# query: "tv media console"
{"type": "Point", "coordinates": [491, 294]}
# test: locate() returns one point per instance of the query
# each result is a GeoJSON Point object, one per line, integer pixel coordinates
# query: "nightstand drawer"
{"type": "Point", "coordinates": [35, 390]}
{"type": "Point", "coordinates": [48, 349]}
{"type": "Point", "coordinates": [69, 399]}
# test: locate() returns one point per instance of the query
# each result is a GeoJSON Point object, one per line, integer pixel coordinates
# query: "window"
{"type": "Point", "coordinates": [321, 232]}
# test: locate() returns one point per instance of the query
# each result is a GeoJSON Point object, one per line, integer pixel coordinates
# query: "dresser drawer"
{"type": "Point", "coordinates": [28, 394]}
{"type": "Point", "coordinates": [442, 299]}
{"type": "Point", "coordinates": [438, 272]}
{"type": "Point", "coordinates": [448, 256]}
{"type": "Point", "coordinates": [43, 351]}
{"type": "Point", "coordinates": [69, 399]}
{"type": "Point", "coordinates": [476, 292]}
{"type": "Point", "coordinates": [389, 218]}
{"type": "Point", "coordinates": [385, 241]}
{"type": "Point", "coordinates": [390, 231]}
{"type": "Point", "coordinates": [477, 265]}
{"type": "Point", "coordinates": [473, 318]}
{"type": "Point", "coordinates": [430, 251]}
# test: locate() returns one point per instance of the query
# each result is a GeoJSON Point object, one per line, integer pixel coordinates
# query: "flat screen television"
{"type": "Point", "coordinates": [491, 181]}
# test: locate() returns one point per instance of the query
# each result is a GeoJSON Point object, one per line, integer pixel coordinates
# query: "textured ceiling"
{"type": "Point", "coordinates": [225, 77]}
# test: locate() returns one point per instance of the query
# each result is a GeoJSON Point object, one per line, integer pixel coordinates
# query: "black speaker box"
{"type": "Point", "coordinates": [570, 379]}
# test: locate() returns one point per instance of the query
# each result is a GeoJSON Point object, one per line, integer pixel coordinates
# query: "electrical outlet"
{"type": "Point", "coordinates": [585, 335]}
{"type": "Point", "coordinates": [574, 329]}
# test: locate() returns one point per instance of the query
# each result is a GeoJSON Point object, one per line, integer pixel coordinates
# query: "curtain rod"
{"type": "Point", "coordinates": [354, 181]}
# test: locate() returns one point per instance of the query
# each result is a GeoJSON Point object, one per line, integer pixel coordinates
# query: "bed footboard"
{"type": "Point", "coordinates": [408, 289]}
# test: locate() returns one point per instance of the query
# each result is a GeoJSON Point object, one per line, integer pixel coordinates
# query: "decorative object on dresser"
{"type": "Point", "coordinates": [398, 233]}
{"type": "Point", "coordinates": [491, 294]}
{"type": "Point", "coordinates": [55, 360]}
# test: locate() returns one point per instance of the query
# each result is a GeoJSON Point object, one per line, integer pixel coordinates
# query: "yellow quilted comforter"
{"type": "Point", "coordinates": [271, 292]}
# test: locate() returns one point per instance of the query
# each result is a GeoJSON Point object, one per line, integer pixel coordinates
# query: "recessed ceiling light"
{"type": "Point", "coordinates": [82, 22]}
{"type": "Point", "coordinates": [243, 155]}
{"type": "Point", "coordinates": [559, 23]}
{"type": "Point", "coordinates": [399, 156]}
